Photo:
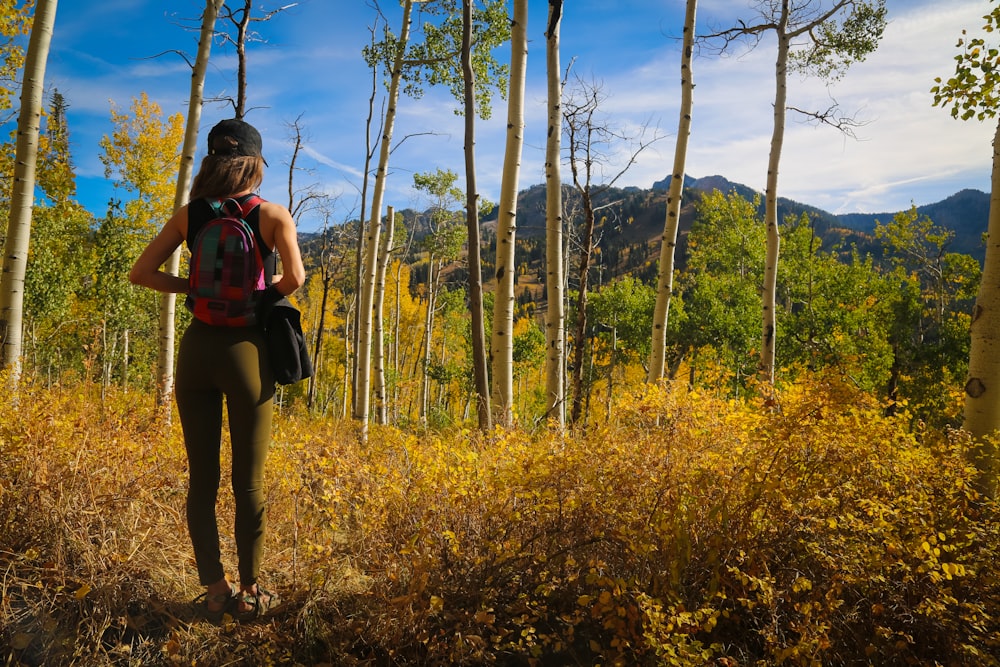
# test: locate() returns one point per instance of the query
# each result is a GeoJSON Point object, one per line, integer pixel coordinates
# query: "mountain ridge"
{"type": "Point", "coordinates": [631, 222]}
{"type": "Point", "coordinates": [966, 213]}
{"type": "Point", "coordinates": [630, 230]}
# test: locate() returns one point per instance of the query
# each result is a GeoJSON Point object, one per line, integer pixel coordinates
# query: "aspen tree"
{"type": "Point", "coordinates": [366, 306]}
{"type": "Point", "coordinates": [813, 37]}
{"type": "Point", "coordinates": [502, 344]}
{"type": "Point", "coordinates": [443, 245]}
{"type": "Point", "coordinates": [973, 93]}
{"type": "Point", "coordinates": [22, 195]}
{"type": "Point", "coordinates": [141, 156]}
{"type": "Point", "coordinates": [362, 399]}
{"type": "Point", "coordinates": [555, 316]}
{"type": "Point", "coordinates": [381, 398]}
{"type": "Point", "coordinates": [168, 302]}
{"type": "Point", "coordinates": [472, 35]}
{"type": "Point", "coordinates": [668, 242]}
{"type": "Point", "coordinates": [435, 61]}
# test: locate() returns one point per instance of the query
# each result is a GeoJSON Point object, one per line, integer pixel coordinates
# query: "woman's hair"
{"type": "Point", "coordinates": [225, 175]}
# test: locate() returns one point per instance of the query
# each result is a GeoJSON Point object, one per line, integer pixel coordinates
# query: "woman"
{"type": "Point", "coordinates": [226, 361]}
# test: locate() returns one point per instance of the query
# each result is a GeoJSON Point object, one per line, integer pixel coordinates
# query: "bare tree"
{"type": "Point", "coordinates": [359, 249]}
{"type": "Point", "coordinates": [241, 17]}
{"type": "Point", "coordinates": [588, 138]}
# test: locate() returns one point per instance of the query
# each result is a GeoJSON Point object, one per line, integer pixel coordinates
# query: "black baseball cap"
{"type": "Point", "coordinates": [246, 136]}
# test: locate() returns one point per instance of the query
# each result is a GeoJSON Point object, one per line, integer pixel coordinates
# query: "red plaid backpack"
{"type": "Point", "coordinates": [227, 270]}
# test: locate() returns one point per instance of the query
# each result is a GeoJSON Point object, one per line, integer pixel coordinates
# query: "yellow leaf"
{"type": "Point", "coordinates": [82, 592]}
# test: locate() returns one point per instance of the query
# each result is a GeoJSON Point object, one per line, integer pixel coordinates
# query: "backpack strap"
{"type": "Point", "coordinates": [200, 211]}
{"type": "Point", "coordinates": [243, 208]}
{"type": "Point", "coordinates": [234, 207]}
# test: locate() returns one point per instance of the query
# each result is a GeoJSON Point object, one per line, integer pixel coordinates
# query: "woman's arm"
{"type": "Point", "coordinates": [286, 244]}
{"type": "Point", "coordinates": [147, 268]}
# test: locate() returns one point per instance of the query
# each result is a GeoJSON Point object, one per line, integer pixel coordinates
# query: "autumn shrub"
{"type": "Point", "coordinates": [88, 507]}
{"type": "Point", "coordinates": [690, 530]}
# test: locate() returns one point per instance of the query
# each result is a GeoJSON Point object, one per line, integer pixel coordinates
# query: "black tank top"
{"type": "Point", "coordinates": [200, 211]}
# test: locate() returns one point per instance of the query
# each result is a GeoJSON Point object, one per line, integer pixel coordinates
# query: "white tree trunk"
{"type": "Point", "coordinates": [769, 294]}
{"type": "Point", "coordinates": [168, 302]}
{"type": "Point", "coordinates": [425, 391]}
{"type": "Point", "coordinates": [555, 317]}
{"type": "Point", "coordinates": [365, 319]}
{"type": "Point", "coordinates": [364, 351]}
{"type": "Point", "coordinates": [394, 349]}
{"type": "Point", "coordinates": [502, 344]}
{"type": "Point", "coordinates": [982, 390]}
{"type": "Point", "coordinates": [15, 261]}
{"type": "Point", "coordinates": [381, 399]}
{"type": "Point", "coordinates": [668, 243]}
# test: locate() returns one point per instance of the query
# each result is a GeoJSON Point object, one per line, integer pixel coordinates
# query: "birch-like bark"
{"type": "Point", "coordinates": [394, 349]}
{"type": "Point", "coordinates": [425, 385]}
{"type": "Point", "coordinates": [366, 320]}
{"type": "Point", "coordinates": [381, 398]}
{"type": "Point", "coordinates": [982, 390]}
{"type": "Point", "coordinates": [359, 251]}
{"type": "Point", "coordinates": [364, 352]}
{"type": "Point", "coordinates": [168, 301]}
{"type": "Point", "coordinates": [502, 344]}
{"type": "Point", "coordinates": [773, 239]}
{"type": "Point", "coordinates": [15, 262]}
{"type": "Point", "coordinates": [668, 242]}
{"type": "Point", "coordinates": [555, 317]}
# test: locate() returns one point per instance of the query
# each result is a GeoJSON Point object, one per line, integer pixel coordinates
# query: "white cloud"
{"type": "Point", "coordinates": [905, 151]}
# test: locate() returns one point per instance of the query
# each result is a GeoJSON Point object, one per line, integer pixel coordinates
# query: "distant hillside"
{"type": "Point", "coordinates": [966, 213]}
{"type": "Point", "coordinates": [630, 225]}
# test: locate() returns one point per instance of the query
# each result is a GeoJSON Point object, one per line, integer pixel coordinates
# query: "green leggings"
{"type": "Point", "coordinates": [216, 362]}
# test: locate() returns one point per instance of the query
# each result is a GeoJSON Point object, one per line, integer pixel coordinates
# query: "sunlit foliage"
{"type": "Point", "coordinates": [689, 530]}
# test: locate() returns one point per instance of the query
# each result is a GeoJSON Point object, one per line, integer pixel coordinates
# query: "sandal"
{"type": "Point", "coordinates": [258, 604]}
{"type": "Point", "coordinates": [224, 601]}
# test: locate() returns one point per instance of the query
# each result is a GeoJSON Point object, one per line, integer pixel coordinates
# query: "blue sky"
{"type": "Point", "coordinates": [310, 66]}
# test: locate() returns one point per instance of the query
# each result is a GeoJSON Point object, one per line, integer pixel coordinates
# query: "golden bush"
{"type": "Point", "coordinates": [691, 530]}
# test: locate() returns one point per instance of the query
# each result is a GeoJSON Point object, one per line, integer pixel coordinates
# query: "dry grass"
{"type": "Point", "coordinates": [690, 532]}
